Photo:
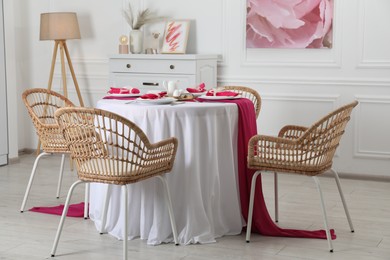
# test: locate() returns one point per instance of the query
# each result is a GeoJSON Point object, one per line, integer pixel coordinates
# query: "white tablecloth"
{"type": "Point", "coordinates": [203, 183]}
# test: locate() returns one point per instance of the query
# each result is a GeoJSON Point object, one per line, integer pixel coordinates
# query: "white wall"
{"type": "Point", "coordinates": [297, 85]}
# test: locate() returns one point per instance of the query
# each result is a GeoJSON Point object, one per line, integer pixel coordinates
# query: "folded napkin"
{"type": "Point", "coordinates": [153, 95]}
{"type": "Point", "coordinates": [199, 89]}
{"type": "Point", "coordinates": [222, 93]}
{"type": "Point", "coordinates": [123, 90]}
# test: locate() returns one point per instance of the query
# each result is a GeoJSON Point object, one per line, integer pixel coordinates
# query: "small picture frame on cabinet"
{"type": "Point", "coordinates": [176, 36]}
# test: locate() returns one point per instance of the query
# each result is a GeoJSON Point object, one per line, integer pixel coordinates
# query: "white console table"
{"type": "Point", "coordinates": [148, 71]}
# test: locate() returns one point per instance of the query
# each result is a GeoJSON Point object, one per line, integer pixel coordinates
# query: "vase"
{"type": "Point", "coordinates": [136, 41]}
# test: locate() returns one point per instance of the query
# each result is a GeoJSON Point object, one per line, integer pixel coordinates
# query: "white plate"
{"type": "Point", "coordinates": [125, 95]}
{"type": "Point", "coordinates": [219, 97]}
{"type": "Point", "coordinates": [159, 101]}
{"type": "Point", "coordinates": [197, 94]}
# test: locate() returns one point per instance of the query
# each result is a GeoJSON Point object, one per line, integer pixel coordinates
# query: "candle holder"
{"type": "Point", "coordinates": [123, 44]}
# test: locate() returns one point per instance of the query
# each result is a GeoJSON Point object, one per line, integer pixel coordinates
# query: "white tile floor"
{"type": "Point", "coordinates": [30, 235]}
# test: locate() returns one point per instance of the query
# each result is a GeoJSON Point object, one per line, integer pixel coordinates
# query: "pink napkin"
{"type": "Point", "coordinates": [222, 93]}
{"type": "Point", "coordinates": [199, 89]}
{"type": "Point", "coordinates": [123, 90]}
{"type": "Point", "coordinates": [153, 96]}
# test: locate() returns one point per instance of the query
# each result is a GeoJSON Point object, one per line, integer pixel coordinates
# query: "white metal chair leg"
{"type": "Point", "coordinates": [31, 179]}
{"type": "Point", "coordinates": [343, 200]}
{"type": "Point", "coordinates": [105, 209]}
{"type": "Point", "coordinates": [251, 201]}
{"type": "Point", "coordinates": [168, 201]}
{"type": "Point", "coordinates": [125, 227]}
{"type": "Point", "coordinates": [63, 216]}
{"type": "Point", "coordinates": [60, 176]}
{"type": "Point", "coordinates": [276, 196]}
{"type": "Point", "coordinates": [328, 236]}
{"type": "Point", "coordinates": [86, 201]}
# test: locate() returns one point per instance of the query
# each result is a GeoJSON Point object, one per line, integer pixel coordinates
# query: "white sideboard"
{"type": "Point", "coordinates": [148, 71]}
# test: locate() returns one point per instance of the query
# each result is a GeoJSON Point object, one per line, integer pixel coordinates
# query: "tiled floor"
{"type": "Point", "coordinates": [30, 235]}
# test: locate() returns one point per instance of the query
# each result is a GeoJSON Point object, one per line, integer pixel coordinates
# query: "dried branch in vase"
{"type": "Point", "coordinates": [143, 17]}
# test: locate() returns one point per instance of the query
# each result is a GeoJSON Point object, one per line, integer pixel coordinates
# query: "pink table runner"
{"type": "Point", "coordinates": [262, 222]}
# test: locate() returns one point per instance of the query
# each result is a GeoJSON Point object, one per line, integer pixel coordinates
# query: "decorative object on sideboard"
{"type": "Point", "coordinates": [156, 42]}
{"type": "Point", "coordinates": [176, 36]}
{"type": "Point", "coordinates": [123, 44]}
{"type": "Point", "coordinates": [136, 22]}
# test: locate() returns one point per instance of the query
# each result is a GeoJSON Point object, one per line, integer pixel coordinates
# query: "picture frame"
{"type": "Point", "coordinates": [176, 36]}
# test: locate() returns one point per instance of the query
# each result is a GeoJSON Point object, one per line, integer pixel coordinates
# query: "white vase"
{"type": "Point", "coordinates": [136, 41]}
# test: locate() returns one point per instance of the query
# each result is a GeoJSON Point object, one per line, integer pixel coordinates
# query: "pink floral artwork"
{"type": "Point", "coordinates": [289, 23]}
{"type": "Point", "coordinates": [175, 36]}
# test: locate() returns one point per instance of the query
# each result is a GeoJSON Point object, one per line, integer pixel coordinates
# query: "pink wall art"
{"type": "Point", "coordinates": [289, 24]}
{"type": "Point", "coordinates": [175, 37]}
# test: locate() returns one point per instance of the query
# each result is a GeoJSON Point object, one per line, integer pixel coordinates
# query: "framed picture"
{"type": "Point", "coordinates": [289, 24]}
{"type": "Point", "coordinates": [176, 36]}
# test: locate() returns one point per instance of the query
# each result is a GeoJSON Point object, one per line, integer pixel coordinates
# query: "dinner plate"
{"type": "Point", "coordinates": [159, 101]}
{"type": "Point", "coordinates": [219, 97]}
{"type": "Point", "coordinates": [198, 94]}
{"type": "Point", "coordinates": [124, 95]}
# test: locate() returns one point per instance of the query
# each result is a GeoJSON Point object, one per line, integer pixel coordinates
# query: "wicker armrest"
{"type": "Point", "coordinates": [292, 131]}
{"type": "Point", "coordinates": [162, 154]}
{"type": "Point", "coordinates": [261, 145]}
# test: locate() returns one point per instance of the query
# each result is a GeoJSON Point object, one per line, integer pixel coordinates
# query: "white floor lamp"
{"type": "Point", "coordinates": [60, 27]}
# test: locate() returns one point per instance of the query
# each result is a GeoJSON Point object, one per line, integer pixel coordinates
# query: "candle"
{"type": "Point", "coordinates": [123, 44]}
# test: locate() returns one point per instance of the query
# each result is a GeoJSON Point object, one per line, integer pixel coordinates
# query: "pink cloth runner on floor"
{"type": "Point", "coordinates": [75, 210]}
{"type": "Point", "coordinates": [262, 222]}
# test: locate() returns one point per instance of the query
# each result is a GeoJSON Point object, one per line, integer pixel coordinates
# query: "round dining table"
{"type": "Point", "coordinates": [203, 182]}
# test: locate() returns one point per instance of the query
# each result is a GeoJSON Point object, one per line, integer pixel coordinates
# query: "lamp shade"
{"type": "Point", "coordinates": [59, 26]}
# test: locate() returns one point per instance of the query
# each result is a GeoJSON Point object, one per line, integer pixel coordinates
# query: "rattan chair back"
{"type": "Point", "coordinates": [108, 148]}
{"type": "Point", "coordinates": [41, 105]}
{"type": "Point", "coordinates": [308, 151]}
{"type": "Point", "coordinates": [248, 93]}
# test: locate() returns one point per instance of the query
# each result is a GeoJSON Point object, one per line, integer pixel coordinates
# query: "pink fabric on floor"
{"type": "Point", "coordinates": [262, 222]}
{"type": "Point", "coordinates": [75, 210]}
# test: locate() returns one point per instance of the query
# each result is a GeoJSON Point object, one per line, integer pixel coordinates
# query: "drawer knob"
{"type": "Point", "coordinates": [172, 67]}
{"type": "Point", "coordinates": [128, 66]}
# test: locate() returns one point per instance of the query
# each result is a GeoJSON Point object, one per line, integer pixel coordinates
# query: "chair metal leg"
{"type": "Point", "coordinates": [125, 227]}
{"type": "Point", "coordinates": [63, 216]}
{"type": "Point", "coordinates": [343, 200]}
{"type": "Point", "coordinates": [105, 209]}
{"type": "Point", "coordinates": [251, 201]}
{"type": "Point", "coordinates": [276, 197]}
{"type": "Point", "coordinates": [60, 176]}
{"type": "Point", "coordinates": [170, 209]}
{"type": "Point", "coordinates": [328, 236]}
{"type": "Point", "coordinates": [31, 180]}
{"type": "Point", "coordinates": [86, 201]}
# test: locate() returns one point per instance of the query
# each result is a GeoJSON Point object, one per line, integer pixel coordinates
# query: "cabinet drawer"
{"type": "Point", "coordinates": [147, 82]}
{"type": "Point", "coordinates": [153, 66]}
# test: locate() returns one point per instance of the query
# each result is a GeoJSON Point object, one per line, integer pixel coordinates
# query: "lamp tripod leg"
{"type": "Point", "coordinates": [76, 85]}
{"type": "Point", "coordinates": [63, 72]}
{"type": "Point", "coordinates": [53, 63]}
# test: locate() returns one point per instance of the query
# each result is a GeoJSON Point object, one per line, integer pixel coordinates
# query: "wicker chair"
{"type": "Point", "coordinates": [108, 148]}
{"type": "Point", "coordinates": [41, 105]}
{"type": "Point", "coordinates": [249, 93]}
{"type": "Point", "coordinates": [300, 150]}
